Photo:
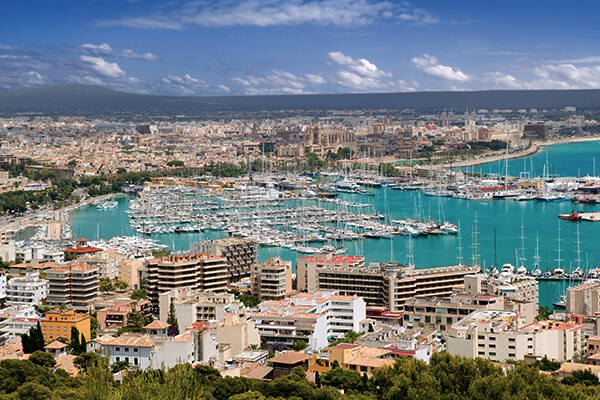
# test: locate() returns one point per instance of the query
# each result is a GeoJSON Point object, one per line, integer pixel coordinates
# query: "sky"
{"type": "Point", "coordinates": [252, 47]}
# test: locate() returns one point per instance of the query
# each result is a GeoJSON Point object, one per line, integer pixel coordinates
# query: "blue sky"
{"type": "Point", "coordinates": [301, 46]}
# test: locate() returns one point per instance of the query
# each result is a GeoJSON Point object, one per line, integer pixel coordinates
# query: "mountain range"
{"type": "Point", "coordinates": [88, 100]}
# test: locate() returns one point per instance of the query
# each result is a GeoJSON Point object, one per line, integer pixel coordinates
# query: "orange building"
{"type": "Point", "coordinates": [58, 323]}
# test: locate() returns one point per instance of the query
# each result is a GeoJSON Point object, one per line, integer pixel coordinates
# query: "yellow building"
{"type": "Point", "coordinates": [353, 357]}
{"type": "Point", "coordinates": [58, 323]}
{"type": "Point", "coordinates": [127, 271]}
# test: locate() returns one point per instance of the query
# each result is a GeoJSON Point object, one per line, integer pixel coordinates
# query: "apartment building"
{"type": "Point", "coordinates": [513, 287]}
{"type": "Point", "coordinates": [127, 271]}
{"type": "Point", "coordinates": [388, 285]}
{"type": "Point", "coordinates": [194, 305]}
{"type": "Point", "coordinates": [311, 317]}
{"type": "Point", "coordinates": [27, 290]}
{"type": "Point", "coordinates": [75, 284]}
{"type": "Point", "coordinates": [271, 280]}
{"type": "Point", "coordinates": [502, 335]}
{"type": "Point", "coordinates": [58, 323]}
{"type": "Point", "coordinates": [584, 299]}
{"type": "Point", "coordinates": [441, 313]}
{"type": "Point", "coordinates": [239, 252]}
{"type": "Point", "coordinates": [106, 261]}
{"type": "Point", "coordinates": [199, 272]}
{"type": "Point", "coordinates": [131, 347]}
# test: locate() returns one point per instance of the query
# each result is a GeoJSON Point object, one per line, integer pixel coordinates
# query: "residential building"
{"type": "Point", "coordinates": [58, 323]}
{"type": "Point", "coordinates": [584, 299]}
{"type": "Point", "coordinates": [18, 321]}
{"type": "Point", "coordinates": [239, 333]}
{"type": "Point", "coordinates": [29, 289]}
{"type": "Point", "coordinates": [271, 280]}
{"type": "Point", "coordinates": [131, 347]}
{"type": "Point", "coordinates": [355, 357]}
{"type": "Point", "coordinates": [194, 305]}
{"type": "Point", "coordinates": [285, 363]}
{"type": "Point", "coordinates": [389, 285]}
{"type": "Point", "coordinates": [106, 261]}
{"type": "Point", "coordinates": [179, 349]}
{"type": "Point", "coordinates": [310, 317]}
{"type": "Point", "coordinates": [200, 272]}
{"type": "Point", "coordinates": [502, 335]}
{"type": "Point", "coordinates": [127, 271]}
{"type": "Point", "coordinates": [240, 254]}
{"type": "Point", "coordinates": [513, 287]}
{"type": "Point", "coordinates": [118, 313]}
{"type": "Point", "coordinates": [441, 314]}
{"type": "Point", "coordinates": [3, 284]}
{"type": "Point", "coordinates": [75, 284]}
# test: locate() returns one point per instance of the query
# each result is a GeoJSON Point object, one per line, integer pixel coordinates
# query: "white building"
{"type": "Point", "coordinates": [2, 284]}
{"type": "Point", "coordinates": [501, 335]}
{"type": "Point", "coordinates": [27, 290]}
{"type": "Point", "coordinates": [177, 350]}
{"type": "Point", "coordinates": [311, 317]}
{"type": "Point", "coordinates": [19, 321]}
{"type": "Point", "coordinates": [133, 348]}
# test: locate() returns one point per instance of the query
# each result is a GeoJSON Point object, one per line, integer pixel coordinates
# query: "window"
{"type": "Point", "coordinates": [135, 361]}
{"type": "Point", "coordinates": [492, 346]}
{"type": "Point", "coordinates": [512, 339]}
{"type": "Point", "coordinates": [118, 359]}
{"type": "Point", "coordinates": [65, 328]}
{"type": "Point", "coordinates": [492, 338]}
{"type": "Point", "coordinates": [126, 349]}
{"type": "Point", "coordinates": [492, 354]}
{"type": "Point", "coordinates": [480, 337]}
{"type": "Point", "coordinates": [511, 347]}
{"type": "Point", "coordinates": [511, 354]}
{"type": "Point", "coordinates": [135, 350]}
{"type": "Point", "coordinates": [44, 327]}
{"type": "Point", "coordinates": [117, 349]}
{"type": "Point", "coordinates": [481, 353]}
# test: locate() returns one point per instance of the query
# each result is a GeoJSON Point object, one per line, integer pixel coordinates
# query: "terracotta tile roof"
{"type": "Point", "coordinates": [372, 362]}
{"type": "Point", "coordinates": [290, 358]}
{"type": "Point", "coordinates": [56, 345]}
{"type": "Point", "coordinates": [346, 346]}
{"type": "Point", "coordinates": [133, 341]}
{"type": "Point", "coordinates": [256, 372]}
{"type": "Point", "coordinates": [66, 362]}
{"type": "Point", "coordinates": [156, 324]}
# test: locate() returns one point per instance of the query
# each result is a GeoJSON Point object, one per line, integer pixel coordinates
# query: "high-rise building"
{"type": "Point", "coordinates": [272, 280]}
{"type": "Point", "coordinates": [239, 252]}
{"type": "Point", "coordinates": [74, 284]}
{"type": "Point", "coordinates": [193, 271]}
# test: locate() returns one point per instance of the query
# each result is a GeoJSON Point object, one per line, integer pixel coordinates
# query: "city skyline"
{"type": "Point", "coordinates": [253, 47]}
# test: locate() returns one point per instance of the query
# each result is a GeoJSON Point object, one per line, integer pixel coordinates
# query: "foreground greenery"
{"type": "Point", "coordinates": [446, 377]}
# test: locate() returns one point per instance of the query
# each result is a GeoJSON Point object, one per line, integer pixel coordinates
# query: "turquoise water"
{"type": "Point", "coordinates": [498, 219]}
{"type": "Point", "coordinates": [569, 159]}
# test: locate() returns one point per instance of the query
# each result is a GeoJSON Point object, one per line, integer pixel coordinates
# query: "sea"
{"type": "Point", "coordinates": [492, 232]}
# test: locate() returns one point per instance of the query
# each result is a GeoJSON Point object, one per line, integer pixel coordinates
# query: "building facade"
{"type": "Point", "coordinates": [29, 289]}
{"type": "Point", "coordinates": [75, 284]}
{"type": "Point", "coordinates": [271, 280]}
{"type": "Point", "coordinates": [239, 252]}
{"type": "Point", "coordinates": [58, 323]}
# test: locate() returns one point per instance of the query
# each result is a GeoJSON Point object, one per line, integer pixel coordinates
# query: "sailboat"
{"type": "Point", "coordinates": [536, 265]}
{"type": "Point", "coordinates": [561, 302]}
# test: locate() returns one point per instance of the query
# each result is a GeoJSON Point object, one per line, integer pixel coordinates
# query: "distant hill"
{"type": "Point", "coordinates": [96, 100]}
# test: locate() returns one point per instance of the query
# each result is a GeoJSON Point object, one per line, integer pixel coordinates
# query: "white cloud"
{"type": "Point", "coordinates": [224, 88]}
{"type": "Point", "coordinates": [567, 76]}
{"type": "Point", "coordinates": [19, 80]}
{"type": "Point", "coordinates": [271, 13]}
{"type": "Point", "coordinates": [501, 80]}
{"type": "Point", "coordinates": [584, 60]}
{"type": "Point", "coordinates": [419, 16]}
{"type": "Point", "coordinates": [105, 50]}
{"type": "Point", "coordinates": [183, 85]}
{"type": "Point", "coordinates": [316, 79]}
{"type": "Point", "coordinates": [362, 67]}
{"type": "Point", "coordinates": [103, 67]}
{"type": "Point", "coordinates": [430, 66]}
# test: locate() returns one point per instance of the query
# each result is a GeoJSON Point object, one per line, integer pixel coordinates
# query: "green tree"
{"type": "Point", "coordinates": [106, 285]}
{"type": "Point", "coordinates": [121, 284]}
{"type": "Point", "coordinates": [33, 341]}
{"type": "Point", "coordinates": [175, 163]}
{"type": "Point", "coordinates": [82, 344]}
{"type": "Point", "coordinates": [34, 391]}
{"type": "Point", "coordinates": [172, 320]}
{"type": "Point", "coordinates": [543, 312]}
{"type": "Point", "coordinates": [342, 379]}
{"type": "Point", "coordinates": [300, 345]}
{"type": "Point", "coordinates": [74, 344]}
{"type": "Point", "coordinates": [86, 360]}
{"type": "Point", "coordinates": [139, 294]}
{"type": "Point", "coordinates": [42, 359]}
{"type": "Point", "coordinates": [119, 366]}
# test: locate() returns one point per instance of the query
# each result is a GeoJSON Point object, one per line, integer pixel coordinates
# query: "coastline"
{"type": "Point", "coordinates": [535, 147]}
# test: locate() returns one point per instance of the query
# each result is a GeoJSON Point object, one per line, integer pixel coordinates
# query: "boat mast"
{"type": "Point", "coordinates": [475, 243]}
{"type": "Point", "coordinates": [459, 258]}
{"type": "Point", "coordinates": [537, 251]}
{"type": "Point", "coordinates": [578, 250]}
{"type": "Point", "coordinates": [522, 259]}
{"type": "Point", "coordinates": [558, 260]}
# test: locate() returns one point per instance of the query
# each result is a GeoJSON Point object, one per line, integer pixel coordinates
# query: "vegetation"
{"type": "Point", "coordinates": [172, 321]}
{"type": "Point", "coordinates": [300, 345]}
{"type": "Point", "coordinates": [248, 299]}
{"type": "Point", "coordinates": [349, 337]}
{"type": "Point", "coordinates": [445, 377]}
{"type": "Point", "coordinates": [78, 344]}
{"type": "Point", "coordinates": [135, 323]}
{"type": "Point", "coordinates": [139, 294]}
{"type": "Point", "coordinates": [543, 312]}
{"type": "Point", "coordinates": [106, 285]}
{"type": "Point", "coordinates": [34, 341]}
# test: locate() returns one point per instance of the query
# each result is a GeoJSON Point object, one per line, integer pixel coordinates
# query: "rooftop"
{"type": "Point", "coordinates": [290, 358]}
